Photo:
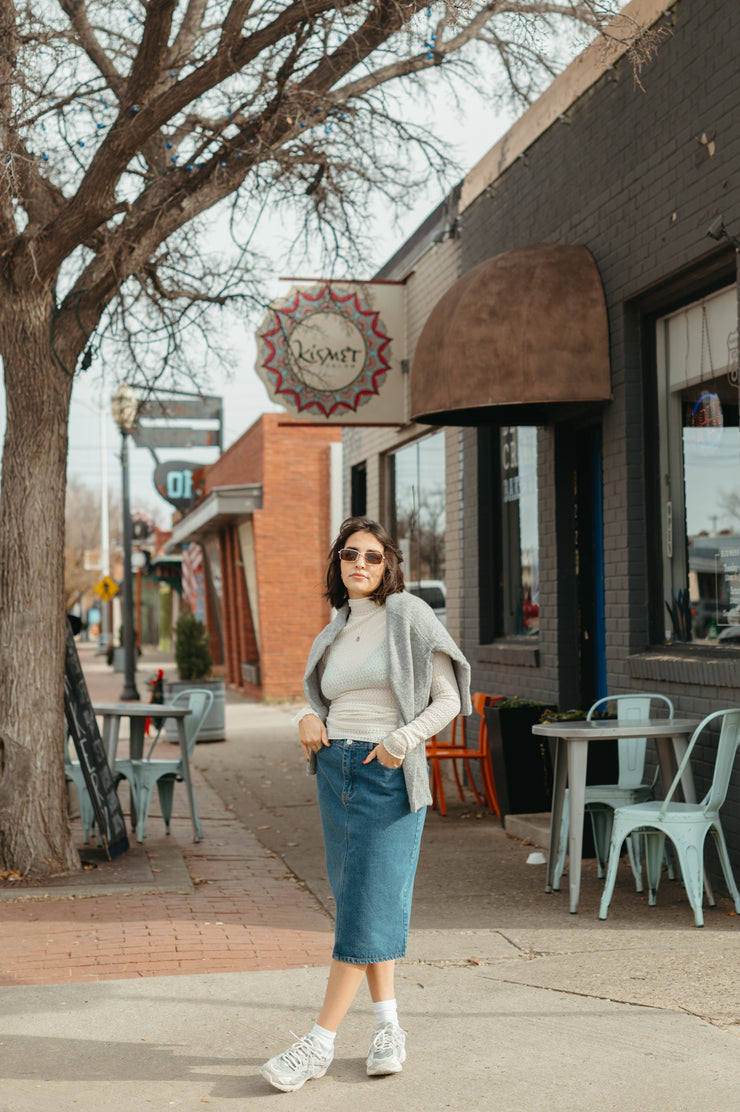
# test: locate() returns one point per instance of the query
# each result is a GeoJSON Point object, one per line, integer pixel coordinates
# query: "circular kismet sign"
{"type": "Point", "coordinates": [324, 350]}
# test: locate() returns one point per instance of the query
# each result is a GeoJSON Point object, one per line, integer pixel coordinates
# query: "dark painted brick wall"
{"type": "Point", "coordinates": [627, 175]}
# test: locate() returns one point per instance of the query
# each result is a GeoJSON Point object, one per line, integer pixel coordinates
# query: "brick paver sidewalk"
{"type": "Point", "coordinates": [243, 911]}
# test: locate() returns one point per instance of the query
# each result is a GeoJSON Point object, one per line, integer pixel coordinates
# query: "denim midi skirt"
{"type": "Point", "coordinates": [372, 841]}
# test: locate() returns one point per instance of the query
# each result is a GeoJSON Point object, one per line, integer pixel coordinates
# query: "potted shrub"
{"type": "Point", "coordinates": [603, 759]}
{"type": "Point", "coordinates": [522, 768]}
{"type": "Point", "coordinates": [192, 649]}
{"type": "Point", "coordinates": [194, 663]}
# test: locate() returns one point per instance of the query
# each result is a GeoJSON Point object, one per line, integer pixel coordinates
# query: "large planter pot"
{"type": "Point", "coordinates": [214, 727]}
{"type": "Point", "coordinates": [523, 764]}
{"type": "Point", "coordinates": [522, 768]}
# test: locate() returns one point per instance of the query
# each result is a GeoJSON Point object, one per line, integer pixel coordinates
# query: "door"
{"type": "Point", "coordinates": [589, 552]}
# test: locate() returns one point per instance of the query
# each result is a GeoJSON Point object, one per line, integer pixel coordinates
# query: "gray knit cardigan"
{"type": "Point", "coordinates": [414, 634]}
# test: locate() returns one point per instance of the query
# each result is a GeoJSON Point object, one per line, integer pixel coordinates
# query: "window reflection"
{"type": "Point", "coordinates": [419, 501]}
{"type": "Point", "coordinates": [711, 454]}
{"type": "Point", "coordinates": [520, 530]}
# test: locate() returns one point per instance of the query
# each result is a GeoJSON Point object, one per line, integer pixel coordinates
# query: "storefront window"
{"type": "Point", "coordinates": [519, 532]}
{"type": "Point", "coordinates": [215, 588]}
{"type": "Point", "coordinates": [358, 490]}
{"type": "Point", "coordinates": [700, 449]}
{"type": "Point", "coordinates": [417, 475]}
{"type": "Point", "coordinates": [508, 532]}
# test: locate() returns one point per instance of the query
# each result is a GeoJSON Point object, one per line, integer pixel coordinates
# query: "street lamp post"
{"type": "Point", "coordinates": [125, 409]}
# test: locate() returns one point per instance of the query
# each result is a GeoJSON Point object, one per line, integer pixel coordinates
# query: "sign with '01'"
{"type": "Point", "coordinates": [178, 482]}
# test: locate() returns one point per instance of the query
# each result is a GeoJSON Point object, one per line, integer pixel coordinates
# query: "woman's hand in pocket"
{"type": "Point", "coordinates": [312, 735]}
{"type": "Point", "coordinates": [382, 756]}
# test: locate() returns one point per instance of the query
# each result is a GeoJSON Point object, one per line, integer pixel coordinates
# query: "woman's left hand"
{"type": "Point", "coordinates": [383, 756]}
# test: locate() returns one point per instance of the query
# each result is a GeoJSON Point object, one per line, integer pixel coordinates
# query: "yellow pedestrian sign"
{"type": "Point", "coordinates": [106, 588]}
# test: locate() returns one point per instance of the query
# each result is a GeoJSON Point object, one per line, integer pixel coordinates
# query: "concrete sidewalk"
{"type": "Point", "coordinates": [509, 1001]}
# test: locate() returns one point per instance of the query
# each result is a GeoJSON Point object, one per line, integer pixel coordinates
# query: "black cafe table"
{"type": "Point", "coordinates": [137, 714]}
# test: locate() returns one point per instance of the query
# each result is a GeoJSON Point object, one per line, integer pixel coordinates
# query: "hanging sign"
{"type": "Point", "coordinates": [150, 431]}
{"type": "Point", "coordinates": [177, 482]}
{"type": "Point", "coordinates": [169, 409]}
{"type": "Point", "coordinates": [161, 436]}
{"type": "Point", "coordinates": [333, 352]}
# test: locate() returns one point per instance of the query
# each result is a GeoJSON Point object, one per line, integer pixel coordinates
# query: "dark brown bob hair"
{"type": "Point", "coordinates": [392, 581]}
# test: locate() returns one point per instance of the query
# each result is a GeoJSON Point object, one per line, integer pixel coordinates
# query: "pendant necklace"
{"type": "Point", "coordinates": [360, 621]}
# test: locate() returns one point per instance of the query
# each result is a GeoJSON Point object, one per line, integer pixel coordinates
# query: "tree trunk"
{"type": "Point", "coordinates": [34, 828]}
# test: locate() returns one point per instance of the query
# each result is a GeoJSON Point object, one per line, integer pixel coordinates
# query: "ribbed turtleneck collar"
{"type": "Point", "coordinates": [362, 607]}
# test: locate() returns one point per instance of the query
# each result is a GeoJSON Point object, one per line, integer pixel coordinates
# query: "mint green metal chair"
{"type": "Point", "coordinates": [602, 799]}
{"type": "Point", "coordinates": [123, 769]}
{"type": "Point", "coordinates": [73, 771]}
{"type": "Point", "coordinates": [685, 824]}
{"type": "Point", "coordinates": [164, 773]}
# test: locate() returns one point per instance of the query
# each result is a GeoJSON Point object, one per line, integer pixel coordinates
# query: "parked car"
{"type": "Point", "coordinates": [434, 593]}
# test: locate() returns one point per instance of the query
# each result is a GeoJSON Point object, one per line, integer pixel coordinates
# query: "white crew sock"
{"type": "Point", "coordinates": [323, 1037]}
{"type": "Point", "coordinates": [386, 1011]}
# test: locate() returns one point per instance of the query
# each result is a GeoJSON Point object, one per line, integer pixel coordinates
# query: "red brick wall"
{"type": "Point", "coordinates": [291, 534]}
{"type": "Point", "coordinates": [242, 462]}
{"type": "Point", "coordinates": [292, 539]}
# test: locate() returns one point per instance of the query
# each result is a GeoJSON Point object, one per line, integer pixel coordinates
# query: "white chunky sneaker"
{"type": "Point", "coordinates": [299, 1063]}
{"type": "Point", "coordinates": [387, 1051]}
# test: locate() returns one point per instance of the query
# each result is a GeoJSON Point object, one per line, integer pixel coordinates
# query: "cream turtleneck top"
{"type": "Point", "coordinates": [356, 685]}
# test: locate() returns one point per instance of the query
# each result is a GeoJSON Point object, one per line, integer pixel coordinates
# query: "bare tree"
{"type": "Point", "coordinates": [729, 502]}
{"type": "Point", "coordinates": [124, 127]}
{"type": "Point", "coordinates": [420, 524]}
{"type": "Point", "coordinates": [81, 535]}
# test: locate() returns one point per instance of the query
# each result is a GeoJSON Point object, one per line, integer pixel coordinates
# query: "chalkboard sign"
{"type": "Point", "coordinates": [84, 731]}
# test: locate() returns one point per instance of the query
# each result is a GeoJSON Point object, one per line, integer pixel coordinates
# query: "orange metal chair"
{"type": "Point", "coordinates": [454, 750]}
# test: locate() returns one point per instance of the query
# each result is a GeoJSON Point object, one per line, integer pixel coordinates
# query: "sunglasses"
{"type": "Point", "coordinates": [352, 555]}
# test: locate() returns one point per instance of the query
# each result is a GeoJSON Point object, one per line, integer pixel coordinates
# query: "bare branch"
{"type": "Point", "coordinates": [145, 71]}
{"type": "Point", "coordinates": [77, 12]}
{"type": "Point", "coordinates": [180, 293]}
{"type": "Point", "coordinates": [187, 36]}
{"type": "Point", "coordinates": [137, 124]}
{"type": "Point", "coordinates": [8, 62]}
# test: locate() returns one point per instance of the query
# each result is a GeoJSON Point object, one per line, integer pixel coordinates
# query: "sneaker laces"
{"type": "Point", "coordinates": [382, 1039]}
{"type": "Point", "coordinates": [300, 1053]}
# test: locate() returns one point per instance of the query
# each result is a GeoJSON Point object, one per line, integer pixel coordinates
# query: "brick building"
{"type": "Point", "coordinates": [572, 323]}
{"type": "Point", "coordinates": [263, 523]}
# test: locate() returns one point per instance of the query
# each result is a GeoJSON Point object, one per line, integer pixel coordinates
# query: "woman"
{"type": "Point", "coordinates": [381, 678]}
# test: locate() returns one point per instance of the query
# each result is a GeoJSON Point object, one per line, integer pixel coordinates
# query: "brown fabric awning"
{"type": "Point", "coordinates": [522, 338]}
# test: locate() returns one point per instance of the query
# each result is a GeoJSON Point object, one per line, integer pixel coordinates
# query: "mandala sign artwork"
{"type": "Point", "coordinates": [325, 350]}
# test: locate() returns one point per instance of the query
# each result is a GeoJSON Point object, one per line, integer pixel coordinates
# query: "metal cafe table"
{"type": "Point", "coordinates": [137, 714]}
{"type": "Point", "coordinates": [671, 739]}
